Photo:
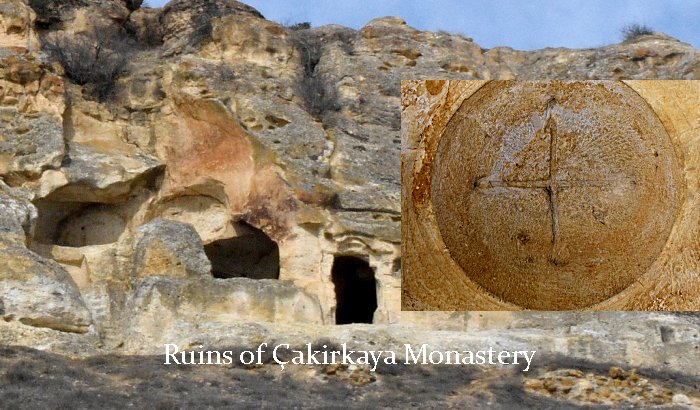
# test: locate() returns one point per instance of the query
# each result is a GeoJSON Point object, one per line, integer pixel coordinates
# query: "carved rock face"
{"type": "Point", "coordinates": [555, 195]}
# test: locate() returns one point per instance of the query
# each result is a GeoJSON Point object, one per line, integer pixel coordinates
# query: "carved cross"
{"type": "Point", "coordinates": [551, 185]}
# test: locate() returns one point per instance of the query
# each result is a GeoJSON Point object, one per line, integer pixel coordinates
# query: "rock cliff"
{"type": "Point", "coordinates": [214, 135]}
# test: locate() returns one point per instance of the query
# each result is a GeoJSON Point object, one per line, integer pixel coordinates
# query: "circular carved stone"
{"type": "Point", "coordinates": [555, 195]}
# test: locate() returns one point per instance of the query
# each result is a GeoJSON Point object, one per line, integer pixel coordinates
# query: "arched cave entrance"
{"type": "Point", "coordinates": [251, 254]}
{"type": "Point", "coordinates": [355, 290]}
{"type": "Point", "coordinates": [78, 224]}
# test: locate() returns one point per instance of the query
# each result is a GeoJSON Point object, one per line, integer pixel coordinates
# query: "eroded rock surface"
{"type": "Point", "coordinates": [224, 119]}
{"type": "Point", "coordinates": [39, 292]}
{"type": "Point", "coordinates": [163, 247]}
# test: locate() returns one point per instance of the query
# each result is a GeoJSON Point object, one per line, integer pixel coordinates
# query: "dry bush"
{"type": "Point", "coordinates": [95, 59]}
{"type": "Point", "coordinates": [317, 91]}
{"type": "Point", "coordinates": [634, 30]}
{"type": "Point", "coordinates": [305, 25]}
{"type": "Point", "coordinates": [319, 94]}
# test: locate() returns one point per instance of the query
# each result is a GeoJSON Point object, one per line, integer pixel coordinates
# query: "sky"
{"type": "Point", "coordinates": [524, 25]}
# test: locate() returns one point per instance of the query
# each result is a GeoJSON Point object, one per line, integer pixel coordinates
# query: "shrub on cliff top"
{"type": "Point", "coordinates": [632, 31]}
{"type": "Point", "coordinates": [305, 25]}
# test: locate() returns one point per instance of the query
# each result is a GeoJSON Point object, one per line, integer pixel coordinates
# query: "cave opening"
{"type": "Point", "coordinates": [78, 224]}
{"type": "Point", "coordinates": [355, 290]}
{"type": "Point", "coordinates": [250, 254]}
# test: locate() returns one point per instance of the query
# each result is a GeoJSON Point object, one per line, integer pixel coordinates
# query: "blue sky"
{"type": "Point", "coordinates": [520, 24]}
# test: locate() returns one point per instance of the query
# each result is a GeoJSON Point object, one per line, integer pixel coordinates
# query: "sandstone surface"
{"type": "Point", "coordinates": [252, 132]}
{"type": "Point", "coordinates": [574, 195]}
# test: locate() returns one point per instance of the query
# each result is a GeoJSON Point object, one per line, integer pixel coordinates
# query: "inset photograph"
{"type": "Point", "coordinates": [550, 195]}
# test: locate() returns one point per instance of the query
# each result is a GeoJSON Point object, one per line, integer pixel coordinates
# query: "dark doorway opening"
{"type": "Point", "coordinates": [355, 290]}
{"type": "Point", "coordinates": [251, 254]}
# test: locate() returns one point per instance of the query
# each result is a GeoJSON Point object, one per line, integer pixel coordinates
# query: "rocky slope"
{"type": "Point", "coordinates": [216, 135]}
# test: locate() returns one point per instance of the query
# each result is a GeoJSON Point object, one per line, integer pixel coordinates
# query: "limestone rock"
{"type": "Point", "coordinates": [163, 305]}
{"type": "Point", "coordinates": [31, 146]}
{"type": "Point", "coordinates": [77, 15]}
{"type": "Point", "coordinates": [94, 176]}
{"type": "Point", "coordinates": [31, 132]}
{"type": "Point", "coordinates": [209, 216]}
{"type": "Point", "coordinates": [380, 225]}
{"type": "Point", "coordinates": [39, 292]}
{"type": "Point", "coordinates": [189, 23]}
{"type": "Point", "coordinates": [224, 119]}
{"type": "Point", "coordinates": [648, 57]}
{"type": "Point", "coordinates": [16, 25]}
{"type": "Point", "coordinates": [246, 38]}
{"type": "Point", "coordinates": [145, 24]}
{"type": "Point", "coordinates": [170, 248]}
{"type": "Point", "coordinates": [30, 86]}
{"type": "Point", "coordinates": [49, 12]}
{"type": "Point", "coordinates": [17, 214]}
{"type": "Point", "coordinates": [223, 161]}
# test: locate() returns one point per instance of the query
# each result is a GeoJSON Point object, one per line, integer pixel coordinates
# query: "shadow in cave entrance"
{"type": "Point", "coordinates": [355, 290]}
{"type": "Point", "coordinates": [251, 254]}
{"type": "Point", "coordinates": [78, 224]}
